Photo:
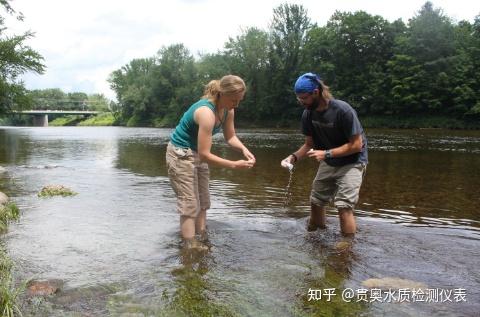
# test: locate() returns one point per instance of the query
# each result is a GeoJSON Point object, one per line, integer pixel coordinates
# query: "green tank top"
{"type": "Point", "coordinates": [185, 134]}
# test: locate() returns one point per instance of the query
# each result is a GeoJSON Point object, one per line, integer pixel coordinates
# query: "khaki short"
{"type": "Point", "coordinates": [189, 178]}
{"type": "Point", "coordinates": [338, 183]}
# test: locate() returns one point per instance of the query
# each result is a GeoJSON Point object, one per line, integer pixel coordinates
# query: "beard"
{"type": "Point", "coordinates": [314, 105]}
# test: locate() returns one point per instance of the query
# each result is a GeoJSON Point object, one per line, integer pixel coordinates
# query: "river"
{"type": "Point", "coordinates": [117, 249]}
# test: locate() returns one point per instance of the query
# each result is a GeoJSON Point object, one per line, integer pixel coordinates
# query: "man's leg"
{"type": "Point", "coordinates": [323, 190]}
{"type": "Point", "coordinates": [317, 218]}
{"type": "Point", "coordinates": [348, 225]}
{"type": "Point", "coordinates": [349, 181]}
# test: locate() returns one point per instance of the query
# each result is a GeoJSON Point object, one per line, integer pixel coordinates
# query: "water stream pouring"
{"type": "Point", "coordinates": [288, 194]}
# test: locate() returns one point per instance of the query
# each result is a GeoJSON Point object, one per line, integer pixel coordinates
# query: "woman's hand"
{"type": "Point", "coordinates": [243, 164]}
{"type": "Point", "coordinates": [248, 155]}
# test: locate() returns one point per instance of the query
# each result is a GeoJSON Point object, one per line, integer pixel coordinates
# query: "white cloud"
{"type": "Point", "coordinates": [84, 41]}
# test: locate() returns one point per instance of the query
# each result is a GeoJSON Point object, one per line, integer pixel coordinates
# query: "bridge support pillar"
{"type": "Point", "coordinates": [40, 120]}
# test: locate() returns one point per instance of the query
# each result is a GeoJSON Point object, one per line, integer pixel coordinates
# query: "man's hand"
{"type": "Point", "coordinates": [288, 162]}
{"type": "Point", "coordinates": [319, 155]}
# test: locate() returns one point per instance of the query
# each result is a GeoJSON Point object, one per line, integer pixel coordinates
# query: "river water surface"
{"type": "Point", "coordinates": [117, 249]}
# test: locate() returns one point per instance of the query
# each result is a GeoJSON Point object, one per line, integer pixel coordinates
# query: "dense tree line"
{"type": "Point", "coordinates": [428, 66]}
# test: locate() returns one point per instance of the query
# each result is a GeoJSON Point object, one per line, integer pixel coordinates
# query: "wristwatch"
{"type": "Point", "coordinates": [328, 154]}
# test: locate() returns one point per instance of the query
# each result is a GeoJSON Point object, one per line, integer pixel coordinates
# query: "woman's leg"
{"type": "Point", "coordinates": [203, 174]}
{"type": "Point", "coordinates": [183, 178]}
{"type": "Point", "coordinates": [201, 222]}
{"type": "Point", "coordinates": [187, 227]}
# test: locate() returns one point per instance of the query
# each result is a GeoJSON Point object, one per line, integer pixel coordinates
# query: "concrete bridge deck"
{"type": "Point", "coordinates": [40, 117]}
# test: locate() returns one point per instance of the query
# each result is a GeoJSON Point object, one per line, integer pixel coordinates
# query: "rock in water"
{"type": "Point", "coordinates": [43, 288]}
{"type": "Point", "coordinates": [392, 283]}
{"type": "Point", "coordinates": [3, 199]}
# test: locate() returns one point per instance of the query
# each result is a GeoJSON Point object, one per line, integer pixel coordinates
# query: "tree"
{"type": "Point", "coordinates": [16, 58]}
{"type": "Point", "coordinates": [360, 46]}
{"type": "Point", "coordinates": [77, 101]}
{"type": "Point", "coordinates": [157, 87]}
{"type": "Point", "coordinates": [467, 63]}
{"type": "Point", "coordinates": [424, 63]}
{"type": "Point", "coordinates": [247, 56]}
{"type": "Point", "coordinates": [431, 34]}
{"type": "Point", "coordinates": [98, 102]}
{"type": "Point", "coordinates": [288, 35]}
{"type": "Point", "coordinates": [48, 99]}
{"type": "Point", "coordinates": [132, 85]}
{"type": "Point", "coordinates": [319, 53]}
{"type": "Point", "coordinates": [174, 81]}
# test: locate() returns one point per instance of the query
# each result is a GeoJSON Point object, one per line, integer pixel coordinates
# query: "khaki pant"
{"type": "Point", "coordinates": [338, 183]}
{"type": "Point", "coordinates": [189, 179]}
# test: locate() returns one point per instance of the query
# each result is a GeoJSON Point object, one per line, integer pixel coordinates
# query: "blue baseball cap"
{"type": "Point", "coordinates": [308, 82]}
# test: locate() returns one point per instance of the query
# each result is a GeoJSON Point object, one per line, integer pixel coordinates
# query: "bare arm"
{"type": "Point", "coordinates": [206, 121]}
{"type": "Point", "coordinates": [302, 151]}
{"type": "Point", "coordinates": [232, 139]}
{"type": "Point", "coordinates": [354, 145]}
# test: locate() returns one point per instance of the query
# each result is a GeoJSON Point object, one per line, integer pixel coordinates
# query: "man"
{"type": "Point", "coordinates": [335, 138]}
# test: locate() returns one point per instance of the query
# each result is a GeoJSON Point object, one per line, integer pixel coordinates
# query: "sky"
{"type": "Point", "coordinates": [82, 42]}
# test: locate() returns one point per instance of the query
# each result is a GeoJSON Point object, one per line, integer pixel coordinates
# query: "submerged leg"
{"type": "Point", "coordinates": [317, 218]}
{"type": "Point", "coordinates": [187, 227]}
{"type": "Point", "coordinates": [348, 225]}
{"type": "Point", "coordinates": [201, 222]}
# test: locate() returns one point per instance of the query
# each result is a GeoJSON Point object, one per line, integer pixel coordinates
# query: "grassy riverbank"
{"type": "Point", "coordinates": [8, 291]}
{"type": "Point", "coordinates": [103, 119]}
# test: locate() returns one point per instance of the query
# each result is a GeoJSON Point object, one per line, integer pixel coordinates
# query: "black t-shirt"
{"type": "Point", "coordinates": [334, 127]}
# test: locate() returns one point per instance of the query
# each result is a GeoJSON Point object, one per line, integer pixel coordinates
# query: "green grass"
{"type": "Point", "coordinates": [103, 119]}
{"type": "Point", "coordinates": [65, 121]}
{"type": "Point", "coordinates": [8, 293]}
{"type": "Point", "coordinates": [8, 298]}
{"type": "Point", "coordinates": [8, 212]}
{"type": "Point", "coordinates": [56, 190]}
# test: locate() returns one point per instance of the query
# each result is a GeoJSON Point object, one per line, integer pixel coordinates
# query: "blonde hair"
{"type": "Point", "coordinates": [325, 91]}
{"type": "Point", "coordinates": [227, 85]}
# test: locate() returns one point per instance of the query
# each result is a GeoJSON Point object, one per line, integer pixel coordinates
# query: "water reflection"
{"type": "Point", "coordinates": [142, 158]}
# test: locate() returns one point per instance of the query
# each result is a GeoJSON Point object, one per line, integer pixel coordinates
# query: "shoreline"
{"type": "Point", "coordinates": [378, 122]}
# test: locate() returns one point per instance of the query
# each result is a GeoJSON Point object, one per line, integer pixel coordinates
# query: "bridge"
{"type": "Point", "coordinates": [40, 117]}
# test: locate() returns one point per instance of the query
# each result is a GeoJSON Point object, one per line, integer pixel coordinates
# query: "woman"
{"type": "Point", "coordinates": [188, 152]}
